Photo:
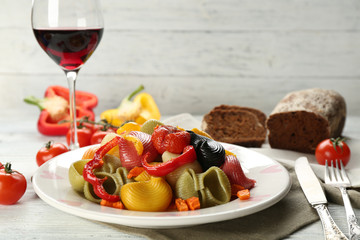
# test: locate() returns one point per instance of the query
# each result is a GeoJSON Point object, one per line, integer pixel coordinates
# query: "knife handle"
{"type": "Point", "coordinates": [331, 230]}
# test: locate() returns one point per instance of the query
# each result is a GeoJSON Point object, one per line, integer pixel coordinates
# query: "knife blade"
{"type": "Point", "coordinates": [315, 195]}
{"type": "Point", "coordinates": [309, 182]}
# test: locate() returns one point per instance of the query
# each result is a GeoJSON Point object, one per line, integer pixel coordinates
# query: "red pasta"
{"type": "Point", "coordinates": [234, 172]}
{"type": "Point", "coordinates": [129, 155]}
{"type": "Point", "coordinates": [147, 143]}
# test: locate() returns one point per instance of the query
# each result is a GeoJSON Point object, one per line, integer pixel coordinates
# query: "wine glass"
{"type": "Point", "coordinates": [69, 32]}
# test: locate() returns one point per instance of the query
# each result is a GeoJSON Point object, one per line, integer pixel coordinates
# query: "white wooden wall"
{"type": "Point", "coordinates": [194, 54]}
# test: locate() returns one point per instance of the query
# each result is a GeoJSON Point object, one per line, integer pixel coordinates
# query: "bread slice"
{"type": "Point", "coordinates": [235, 125]}
{"type": "Point", "coordinates": [304, 118]}
{"type": "Point", "coordinates": [260, 115]}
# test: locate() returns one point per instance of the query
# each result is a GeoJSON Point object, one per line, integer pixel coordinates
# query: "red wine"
{"type": "Point", "coordinates": [69, 48]}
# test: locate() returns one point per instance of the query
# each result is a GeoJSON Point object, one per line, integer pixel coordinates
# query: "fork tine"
{"type": "Point", "coordinates": [337, 172]}
{"type": "Point", "coordinates": [327, 177]}
{"type": "Point", "coordinates": [332, 173]}
{"type": "Point", "coordinates": [344, 174]}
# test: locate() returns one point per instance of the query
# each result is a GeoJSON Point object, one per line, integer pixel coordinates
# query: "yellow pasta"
{"type": "Point", "coordinates": [144, 176]}
{"type": "Point", "coordinates": [115, 150]}
{"type": "Point", "coordinates": [149, 196]}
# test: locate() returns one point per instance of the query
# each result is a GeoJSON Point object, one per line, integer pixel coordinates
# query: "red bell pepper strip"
{"type": "Point", "coordinates": [188, 156]}
{"type": "Point", "coordinates": [97, 162]}
{"type": "Point", "coordinates": [52, 127]}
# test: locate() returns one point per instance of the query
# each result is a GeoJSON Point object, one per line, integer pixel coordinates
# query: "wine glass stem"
{"type": "Point", "coordinates": [71, 79]}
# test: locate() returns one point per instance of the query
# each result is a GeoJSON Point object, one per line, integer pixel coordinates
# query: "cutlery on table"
{"type": "Point", "coordinates": [338, 178]}
{"type": "Point", "coordinates": [316, 197]}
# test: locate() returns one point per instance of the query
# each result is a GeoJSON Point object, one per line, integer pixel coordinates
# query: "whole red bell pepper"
{"type": "Point", "coordinates": [162, 169]}
{"type": "Point", "coordinates": [54, 116]}
{"type": "Point", "coordinates": [84, 100]}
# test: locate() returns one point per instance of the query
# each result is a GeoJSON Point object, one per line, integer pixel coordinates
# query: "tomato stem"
{"type": "Point", "coordinates": [48, 144]}
{"type": "Point", "coordinates": [338, 142]}
{"type": "Point", "coordinates": [8, 168]}
{"type": "Point", "coordinates": [103, 122]}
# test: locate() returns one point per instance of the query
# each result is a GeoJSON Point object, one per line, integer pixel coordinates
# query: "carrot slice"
{"type": "Point", "coordinates": [243, 194]}
{"type": "Point", "coordinates": [181, 205]}
{"type": "Point", "coordinates": [105, 203]}
{"type": "Point", "coordinates": [118, 204]}
{"type": "Point", "coordinates": [235, 188]}
{"type": "Point", "coordinates": [134, 172]}
{"type": "Point", "coordinates": [193, 203]}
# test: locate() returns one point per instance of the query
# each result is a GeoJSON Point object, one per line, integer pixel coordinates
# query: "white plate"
{"type": "Point", "coordinates": [272, 183]}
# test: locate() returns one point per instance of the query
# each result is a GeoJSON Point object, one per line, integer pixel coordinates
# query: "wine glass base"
{"type": "Point", "coordinates": [74, 146]}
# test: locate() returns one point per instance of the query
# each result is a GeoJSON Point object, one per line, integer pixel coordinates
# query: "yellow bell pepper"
{"type": "Point", "coordinates": [128, 127]}
{"type": "Point", "coordinates": [141, 109]}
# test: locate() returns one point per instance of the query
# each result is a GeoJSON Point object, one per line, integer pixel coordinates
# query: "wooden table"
{"type": "Point", "coordinates": [32, 218]}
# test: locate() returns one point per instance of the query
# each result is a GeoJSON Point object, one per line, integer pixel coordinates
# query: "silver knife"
{"type": "Point", "coordinates": [315, 195]}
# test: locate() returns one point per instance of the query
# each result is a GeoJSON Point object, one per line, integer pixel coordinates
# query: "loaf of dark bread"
{"type": "Point", "coordinates": [304, 118]}
{"type": "Point", "coordinates": [236, 125]}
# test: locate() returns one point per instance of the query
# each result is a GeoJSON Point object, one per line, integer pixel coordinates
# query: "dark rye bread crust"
{"type": "Point", "coordinates": [235, 125]}
{"type": "Point", "coordinates": [304, 118]}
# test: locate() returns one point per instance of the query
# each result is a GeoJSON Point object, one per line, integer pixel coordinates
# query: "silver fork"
{"type": "Point", "coordinates": [338, 178]}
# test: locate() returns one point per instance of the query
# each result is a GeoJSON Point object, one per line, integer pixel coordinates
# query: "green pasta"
{"type": "Point", "coordinates": [216, 187]}
{"type": "Point", "coordinates": [172, 177]}
{"type": "Point", "coordinates": [89, 193]}
{"type": "Point", "coordinates": [111, 169]}
{"type": "Point", "coordinates": [212, 187]}
{"type": "Point", "coordinates": [121, 175]}
{"type": "Point", "coordinates": [111, 186]}
{"type": "Point", "coordinates": [111, 163]}
{"type": "Point", "coordinates": [149, 125]}
{"type": "Point", "coordinates": [185, 186]}
{"type": "Point", "coordinates": [76, 175]}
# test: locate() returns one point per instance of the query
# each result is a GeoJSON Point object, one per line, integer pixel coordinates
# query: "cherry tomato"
{"type": "Point", "coordinates": [84, 135]}
{"type": "Point", "coordinates": [49, 151]}
{"type": "Point", "coordinates": [98, 136]}
{"type": "Point", "coordinates": [97, 127]}
{"type": "Point", "coordinates": [12, 185]}
{"type": "Point", "coordinates": [86, 125]}
{"type": "Point", "coordinates": [92, 126]}
{"type": "Point", "coordinates": [332, 149]}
